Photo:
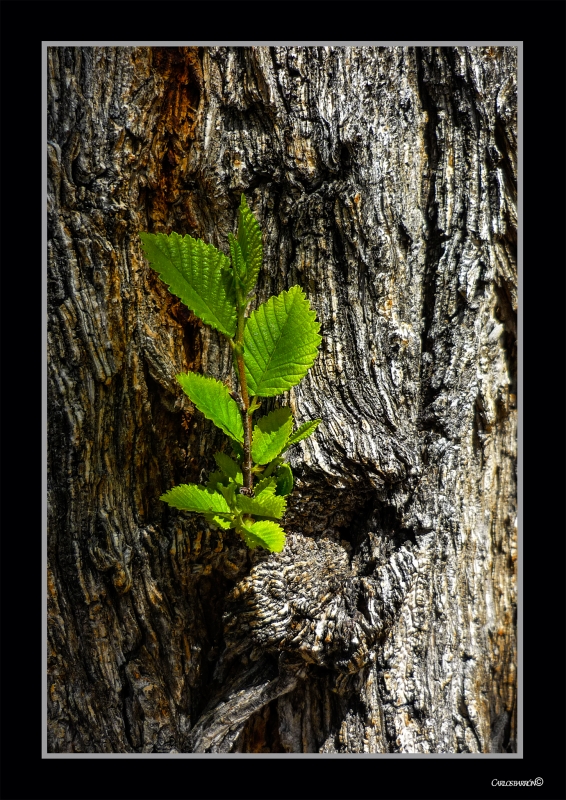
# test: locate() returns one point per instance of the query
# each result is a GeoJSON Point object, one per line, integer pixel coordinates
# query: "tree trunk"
{"type": "Point", "coordinates": [384, 180]}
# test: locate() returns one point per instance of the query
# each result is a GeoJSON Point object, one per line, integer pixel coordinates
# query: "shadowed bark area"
{"type": "Point", "coordinates": [384, 181]}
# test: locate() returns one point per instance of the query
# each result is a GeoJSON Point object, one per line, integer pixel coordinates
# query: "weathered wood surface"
{"type": "Point", "coordinates": [384, 180]}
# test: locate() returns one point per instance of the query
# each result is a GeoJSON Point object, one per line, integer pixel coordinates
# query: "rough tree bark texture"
{"type": "Point", "coordinates": [384, 180]}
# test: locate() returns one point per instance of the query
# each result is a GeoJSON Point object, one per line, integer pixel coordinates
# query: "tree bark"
{"type": "Point", "coordinates": [384, 180]}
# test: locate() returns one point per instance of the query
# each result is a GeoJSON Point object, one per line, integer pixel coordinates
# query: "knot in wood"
{"type": "Point", "coordinates": [307, 600]}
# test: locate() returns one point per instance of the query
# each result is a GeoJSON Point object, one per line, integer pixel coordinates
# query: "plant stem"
{"type": "Point", "coordinates": [246, 418]}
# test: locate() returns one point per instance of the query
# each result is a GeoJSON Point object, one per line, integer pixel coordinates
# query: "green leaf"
{"type": "Point", "coordinates": [198, 274]}
{"type": "Point", "coordinates": [213, 399]}
{"type": "Point", "coordinates": [306, 429]}
{"type": "Point", "coordinates": [190, 497]}
{"type": "Point", "coordinates": [220, 522]}
{"type": "Point", "coordinates": [265, 488]}
{"type": "Point", "coordinates": [214, 479]}
{"type": "Point", "coordinates": [280, 343]}
{"type": "Point", "coordinates": [266, 534]}
{"type": "Point", "coordinates": [249, 239]}
{"type": "Point", "coordinates": [270, 469]}
{"type": "Point", "coordinates": [270, 435]}
{"type": "Point", "coordinates": [238, 262]}
{"type": "Point", "coordinates": [284, 480]}
{"type": "Point", "coordinates": [229, 467]}
{"type": "Point", "coordinates": [238, 451]}
{"type": "Point", "coordinates": [266, 506]}
{"type": "Point", "coordinates": [228, 493]}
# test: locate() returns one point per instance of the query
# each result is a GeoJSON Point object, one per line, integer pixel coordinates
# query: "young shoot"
{"type": "Point", "coordinates": [273, 348]}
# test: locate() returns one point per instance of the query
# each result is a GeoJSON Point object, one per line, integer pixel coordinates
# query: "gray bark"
{"type": "Point", "coordinates": [384, 180]}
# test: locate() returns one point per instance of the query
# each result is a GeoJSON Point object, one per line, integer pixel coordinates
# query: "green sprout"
{"type": "Point", "coordinates": [273, 348]}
